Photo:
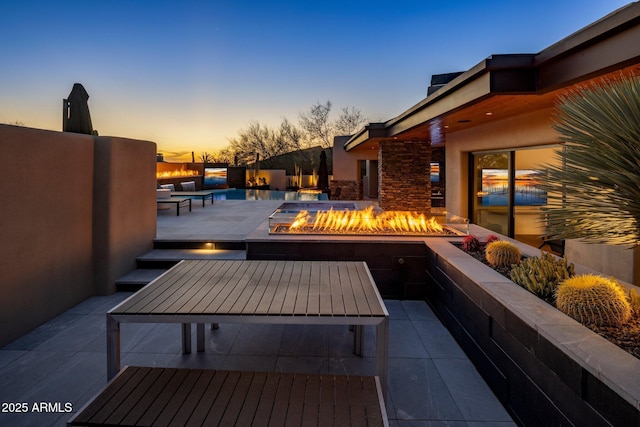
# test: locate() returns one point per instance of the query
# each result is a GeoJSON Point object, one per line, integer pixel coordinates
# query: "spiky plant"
{"type": "Point", "coordinates": [593, 189]}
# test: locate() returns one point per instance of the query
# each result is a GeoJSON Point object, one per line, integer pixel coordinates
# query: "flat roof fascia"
{"type": "Point", "coordinates": [609, 44]}
{"type": "Point", "coordinates": [470, 87]}
{"type": "Point", "coordinates": [367, 133]}
{"type": "Point", "coordinates": [615, 22]}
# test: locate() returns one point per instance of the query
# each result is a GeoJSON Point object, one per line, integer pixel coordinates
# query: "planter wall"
{"type": "Point", "coordinates": [546, 368]}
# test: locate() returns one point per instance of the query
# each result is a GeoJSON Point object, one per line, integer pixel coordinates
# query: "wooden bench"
{"type": "Point", "coordinates": [178, 201]}
{"type": "Point", "coordinates": [181, 397]}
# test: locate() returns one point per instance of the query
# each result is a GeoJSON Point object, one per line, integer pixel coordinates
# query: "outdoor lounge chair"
{"type": "Point", "coordinates": [188, 186]}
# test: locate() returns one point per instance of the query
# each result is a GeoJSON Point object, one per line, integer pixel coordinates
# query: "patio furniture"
{"type": "Point", "coordinates": [178, 397]}
{"type": "Point", "coordinates": [249, 291]}
{"type": "Point", "coordinates": [178, 201]}
{"type": "Point", "coordinates": [163, 193]}
{"type": "Point", "coordinates": [171, 187]}
{"type": "Point", "coordinates": [188, 186]}
{"type": "Point", "coordinates": [202, 194]}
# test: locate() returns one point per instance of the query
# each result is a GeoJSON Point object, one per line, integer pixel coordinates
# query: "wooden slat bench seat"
{"type": "Point", "coordinates": [200, 397]}
{"type": "Point", "coordinates": [178, 201]}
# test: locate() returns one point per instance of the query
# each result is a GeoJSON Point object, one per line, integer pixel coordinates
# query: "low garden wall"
{"type": "Point", "coordinates": [77, 211]}
{"type": "Point", "coordinates": [546, 368]}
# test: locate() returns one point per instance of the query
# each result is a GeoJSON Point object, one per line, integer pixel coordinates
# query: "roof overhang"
{"type": "Point", "coordinates": [516, 83]}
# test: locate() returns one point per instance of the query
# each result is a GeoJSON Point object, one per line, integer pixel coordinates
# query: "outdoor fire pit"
{"type": "Point", "coordinates": [336, 221]}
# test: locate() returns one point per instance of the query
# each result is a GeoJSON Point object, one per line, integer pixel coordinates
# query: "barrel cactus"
{"type": "Point", "coordinates": [501, 253]}
{"type": "Point", "coordinates": [593, 300]}
{"type": "Point", "coordinates": [541, 275]}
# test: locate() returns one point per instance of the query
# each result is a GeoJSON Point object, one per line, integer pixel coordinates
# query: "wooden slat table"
{"type": "Point", "coordinates": [196, 397]}
{"type": "Point", "coordinates": [268, 292]}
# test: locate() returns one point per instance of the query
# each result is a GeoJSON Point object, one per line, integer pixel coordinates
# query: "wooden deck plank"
{"type": "Point", "coordinates": [311, 404]}
{"type": "Point", "coordinates": [188, 285]}
{"type": "Point", "coordinates": [342, 417]}
{"type": "Point", "coordinates": [210, 396]}
{"type": "Point", "coordinates": [118, 406]}
{"type": "Point", "coordinates": [337, 303]}
{"type": "Point", "coordinates": [326, 410]}
{"type": "Point", "coordinates": [313, 302]}
{"type": "Point", "coordinates": [376, 306]}
{"type": "Point", "coordinates": [145, 394]}
{"type": "Point", "coordinates": [236, 400]}
{"type": "Point", "coordinates": [357, 413]}
{"type": "Point", "coordinates": [177, 400]}
{"type": "Point", "coordinates": [222, 401]}
{"type": "Point", "coordinates": [371, 402]}
{"type": "Point", "coordinates": [208, 287]}
{"type": "Point", "coordinates": [294, 287]}
{"type": "Point", "coordinates": [164, 397]}
{"type": "Point", "coordinates": [265, 407]}
{"type": "Point", "coordinates": [156, 287]}
{"type": "Point", "coordinates": [282, 399]}
{"type": "Point", "coordinates": [278, 292]}
{"type": "Point", "coordinates": [111, 390]}
{"type": "Point", "coordinates": [261, 287]}
{"type": "Point", "coordinates": [252, 400]}
{"type": "Point", "coordinates": [251, 275]}
{"type": "Point", "coordinates": [197, 392]}
{"type": "Point", "coordinates": [347, 288]}
{"type": "Point", "coordinates": [148, 303]}
{"type": "Point", "coordinates": [216, 287]}
{"type": "Point", "coordinates": [296, 401]}
{"type": "Point", "coordinates": [267, 300]}
{"type": "Point", "coordinates": [324, 289]}
{"type": "Point", "coordinates": [305, 288]}
{"type": "Point", "coordinates": [206, 397]}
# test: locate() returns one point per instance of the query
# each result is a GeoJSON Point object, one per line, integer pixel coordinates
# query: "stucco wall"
{"type": "Point", "coordinates": [345, 165]}
{"type": "Point", "coordinates": [67, 232]}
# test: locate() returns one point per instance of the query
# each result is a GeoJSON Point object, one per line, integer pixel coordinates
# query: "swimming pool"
{"type": "Point", "coordinates": [240, 194]}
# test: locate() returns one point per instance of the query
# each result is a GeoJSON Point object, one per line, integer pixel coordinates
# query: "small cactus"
{"type": "Point", "coordinates": [593, 300]}
{"type": "Point", "coordinates": [541, 275]}
{"type": "Point", "coordinates": [471, 244]}
{"type": "Point", "coordinates": [501, 253]}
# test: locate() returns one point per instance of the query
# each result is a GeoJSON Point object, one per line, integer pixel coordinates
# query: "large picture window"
{"type": "Point", "coordinates": [506, 191]}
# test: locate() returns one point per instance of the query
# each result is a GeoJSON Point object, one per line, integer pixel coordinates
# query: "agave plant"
{"type": "Point", "coordinates": [594, 187]}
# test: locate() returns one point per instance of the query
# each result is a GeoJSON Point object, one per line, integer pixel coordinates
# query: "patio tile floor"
{"type": "Point", "coordinates": [64, 361]}
{"type": "Point", "coordinates": [431, 381]}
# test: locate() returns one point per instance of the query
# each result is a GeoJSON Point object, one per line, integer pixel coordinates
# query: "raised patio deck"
{"type": "Point", "coordinates": [431, 381]}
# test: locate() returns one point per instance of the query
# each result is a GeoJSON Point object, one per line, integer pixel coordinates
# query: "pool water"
{"type": "Point", "coordinates": [240, 194]}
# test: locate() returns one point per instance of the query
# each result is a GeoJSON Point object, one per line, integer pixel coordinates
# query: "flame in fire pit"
{"type": "Point", "coordinates": [364, 222]}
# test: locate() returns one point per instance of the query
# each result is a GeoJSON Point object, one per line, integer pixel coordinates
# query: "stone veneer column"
{"type": "Point", "coordinates": [404, 180]}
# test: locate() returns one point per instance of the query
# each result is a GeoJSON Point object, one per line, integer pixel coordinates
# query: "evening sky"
{"type": "Point", "coordinates": [189, 74]}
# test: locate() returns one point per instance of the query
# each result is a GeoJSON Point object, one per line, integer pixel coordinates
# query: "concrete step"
{"type": "Point", "coordinates": [137, 279]}
{"type": "Point", "coordinates": [167, 258]}
{"type": "Point", "coordinates": [199, 244]}
{"type": "Point", "coordinates": [152, 264]}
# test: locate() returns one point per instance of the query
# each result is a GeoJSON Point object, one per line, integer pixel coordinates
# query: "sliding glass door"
{"type": "Point", "coordinates": [491, 190]}
{"type": "Point", "coordinates": [506, 194]}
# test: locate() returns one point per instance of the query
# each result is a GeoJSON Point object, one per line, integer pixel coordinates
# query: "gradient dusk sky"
{"type": "Point", "coordinates": [189, 74]}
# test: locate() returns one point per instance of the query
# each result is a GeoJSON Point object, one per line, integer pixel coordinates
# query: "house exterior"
{"type": "Point", "coordinates": [475, 143]}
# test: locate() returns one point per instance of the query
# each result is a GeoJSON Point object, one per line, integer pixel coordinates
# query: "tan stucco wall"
{"type": "Point", "coordinates": [125, 207]}
{"type": "Point", "coordinates": [60, 216]}
{"type": "Point", "coordinates": [345, 164]}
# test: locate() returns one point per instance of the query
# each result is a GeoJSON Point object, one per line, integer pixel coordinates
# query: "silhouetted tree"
{"type": "Point", "coordinates": [320, 129]}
